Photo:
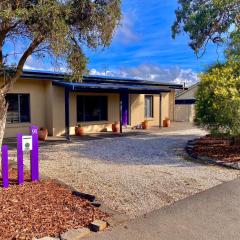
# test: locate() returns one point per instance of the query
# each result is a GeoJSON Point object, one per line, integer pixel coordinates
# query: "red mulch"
{"type": "Point", "coordinates": [12, 177]}
{"type": "Point", "coordinates": [217, 148]}
{"type": "Point", "coordinates": [45, 208]}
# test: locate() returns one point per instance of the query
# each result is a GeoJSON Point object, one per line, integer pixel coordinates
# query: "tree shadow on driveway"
{"type": "Point", "coordinates": [147, 149]}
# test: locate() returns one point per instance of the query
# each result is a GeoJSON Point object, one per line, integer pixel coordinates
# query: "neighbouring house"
{"type": "Point", "coordinates": [48, 100]}
{"type": "Point", "coordinates": [185, 104]}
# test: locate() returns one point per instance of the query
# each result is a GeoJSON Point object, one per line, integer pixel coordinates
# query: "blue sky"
{"type": "Point", "coordinates": [142, 47]}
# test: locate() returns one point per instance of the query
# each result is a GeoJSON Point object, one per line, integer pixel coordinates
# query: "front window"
{"type": "Point", "coordinates": [92, 108]}
{"type": "Point", "coordinates": [18, 108]}
{"type": "Point", "coordinates": [148, 106]}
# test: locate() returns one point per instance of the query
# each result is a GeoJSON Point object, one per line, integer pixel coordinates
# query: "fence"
{"type": "Point", "coordinates": [24, 143]}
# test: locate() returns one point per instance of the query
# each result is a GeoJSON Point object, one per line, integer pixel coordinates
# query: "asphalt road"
{"type": "Point", "coordinates": [212, 214]}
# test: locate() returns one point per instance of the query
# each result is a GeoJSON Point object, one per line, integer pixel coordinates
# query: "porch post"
{"type": "Point", "coordinates": [67, 125]}
{"type": "Point", "coordinates": [160, 110]}
{"type": "Point", "coordinates": [125, 107]}
{"type": "Point", "coordinates": [120, 108]}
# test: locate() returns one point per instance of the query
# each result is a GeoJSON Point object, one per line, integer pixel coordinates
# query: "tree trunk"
{"type": "Point", "coordinates": [10, 80]}
{"type": "Point", "coordinates": [3, 116]}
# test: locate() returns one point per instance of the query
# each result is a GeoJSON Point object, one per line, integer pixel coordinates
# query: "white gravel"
{"type": "Point", "coordinates": [133, 175]}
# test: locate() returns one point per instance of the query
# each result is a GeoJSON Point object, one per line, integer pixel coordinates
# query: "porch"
{"type": "Point", "coordinates": [127, 102]}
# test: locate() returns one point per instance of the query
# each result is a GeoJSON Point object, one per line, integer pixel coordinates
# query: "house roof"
{"type": "Point", "coordinates": [96, 83]}
{"type": "Point", "coordinates": [187, 90]}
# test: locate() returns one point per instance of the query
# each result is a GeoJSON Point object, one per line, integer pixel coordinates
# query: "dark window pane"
{"type": "Point", "coordinates": [104, 108]}
{"type": "Point", "coordinates": [24, 108]}
{"type": "Point", "coordinates": [148, 106]}
{"type": "Point", "coordinates": [80, 109]}
{"type": "Point", "coordinates": [18, 108]}
{"type": "Point", "coordinates": [12, 114]}
{"type": "Point", "coordinates": [91, 108]}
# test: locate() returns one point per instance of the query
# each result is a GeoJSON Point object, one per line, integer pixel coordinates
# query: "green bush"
{"type": "Point", "coordinates": [218, 99]}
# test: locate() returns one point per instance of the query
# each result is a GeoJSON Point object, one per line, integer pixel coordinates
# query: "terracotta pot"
{"type": "Point", "coordinates": [166, 123]}
{"type": "Point", "coordinates": [42, 134]}
{"type": "Point", "coordinates": [116, 127]}
{"type": "Point", "coordinates": [79, 131]}
{"type": "Point", "coordinates": [145, 125]}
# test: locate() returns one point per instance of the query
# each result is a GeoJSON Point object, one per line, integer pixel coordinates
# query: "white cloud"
{"type": "Point", "coordinates": [37, 64]}
{"type": "Point", "coordinates": [33, 68]}
{"type": "Point", "coordinates": [34, 64]}
{"type": "Point", "coordinates": [143, 71]}
{"type": "Point", "coordinates": [153, 73]}
{"type": "Point", "coordinates": [125, 33]}
{"type": "Point", "coordinates": [186, 76]}
{"type": "Point", "coordinates": [95, 72]}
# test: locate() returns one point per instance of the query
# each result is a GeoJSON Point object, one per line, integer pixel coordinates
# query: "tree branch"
{"type": "Point", "coordinates": [35, 43]}
{"type": "Point", "coordinates": [3, 34]}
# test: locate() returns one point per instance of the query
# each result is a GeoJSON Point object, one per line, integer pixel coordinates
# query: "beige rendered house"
{"type": "Point", "coordinates": [48, 100]}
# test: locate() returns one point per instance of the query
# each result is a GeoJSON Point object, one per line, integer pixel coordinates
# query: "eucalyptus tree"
{"type": "Point", "coordinates": [218, 96]}
{"type": "Point", "coordinates": [209, 21]}
{"type": "Point", "coordinates": [59, 28]}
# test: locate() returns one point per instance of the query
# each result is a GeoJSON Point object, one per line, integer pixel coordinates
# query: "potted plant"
{"type": "Point", "coordinates": [116, 127]}
{"type": "Point", "coordinates": [42, 134]}
{"type": "Point", "coordinates": [145, 124]}
{"type": "Point", "coordinates": [166, 122]}
{"type": "Point", "coordinates": [79, 130]}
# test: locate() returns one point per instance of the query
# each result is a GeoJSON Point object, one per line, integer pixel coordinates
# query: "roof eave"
{"type": "Point", "coordinates": [62, 78]}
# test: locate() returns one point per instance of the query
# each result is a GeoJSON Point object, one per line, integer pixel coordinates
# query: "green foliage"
{"type": "Point", "coordinates": [233, 50]}
{"type": "Point", "coordinates": [218, 99]}
{"type": "Point", "coordinates": [205, 21]}
{"type": "Point", "coordinates": [58, 27]}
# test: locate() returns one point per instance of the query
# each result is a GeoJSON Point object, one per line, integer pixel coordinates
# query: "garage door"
{"type": "Point", "coordinates": [184, 112]}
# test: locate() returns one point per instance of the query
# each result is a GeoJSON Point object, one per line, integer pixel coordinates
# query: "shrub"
{"type": "Point", "coordinates": [218, 99]}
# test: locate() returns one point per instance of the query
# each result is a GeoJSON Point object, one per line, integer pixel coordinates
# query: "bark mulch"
{"type": "Point", "coordinates": [216, 148]}
{"type": "Point", "coordinates": [45, 208]}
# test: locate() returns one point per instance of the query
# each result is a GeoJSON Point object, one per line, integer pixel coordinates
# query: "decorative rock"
{"type": "Point", "coordinates": [98, 225]}
{"type": "Point", "coordinates": [75, 234]}
{"type": "Point", "coordinates": [89, 197]}
{"type": "Point", "coordinates": [96, 204]}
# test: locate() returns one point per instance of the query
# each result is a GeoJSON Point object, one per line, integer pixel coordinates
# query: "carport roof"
{"type": "Point", "coordinates": [111, 87]}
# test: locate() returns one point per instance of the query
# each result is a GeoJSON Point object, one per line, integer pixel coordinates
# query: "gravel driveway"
{"type": "Point", "coordinates": [134, 174]}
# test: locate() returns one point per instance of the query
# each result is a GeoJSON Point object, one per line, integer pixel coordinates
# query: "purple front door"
{"type": "Point", "coordinates": [125, 104]}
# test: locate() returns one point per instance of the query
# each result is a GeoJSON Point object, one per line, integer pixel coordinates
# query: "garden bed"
{"type": "Point", "coordinates": [217, 149]}
{"type": "Point", "coordinates": [45, 208]}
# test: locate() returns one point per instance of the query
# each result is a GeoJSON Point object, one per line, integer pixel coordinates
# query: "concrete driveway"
{"type": "Point", "coordinates": [135, 174]}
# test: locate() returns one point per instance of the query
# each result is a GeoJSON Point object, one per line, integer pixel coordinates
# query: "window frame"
{"type": "Point", "coordinates": [84, 107]}
{"type": "Point", "coordinates": [19, 108]}
{"type": "Point", "coordinates": [152, 106]}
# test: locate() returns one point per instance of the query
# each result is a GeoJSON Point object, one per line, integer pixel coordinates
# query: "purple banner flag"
{"type": "Point", "coordinates": [20, 159]}
{"type": "Point", "coordinates": [34, 154]}
{"type": "Point", "coordinates": [5, 181]}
